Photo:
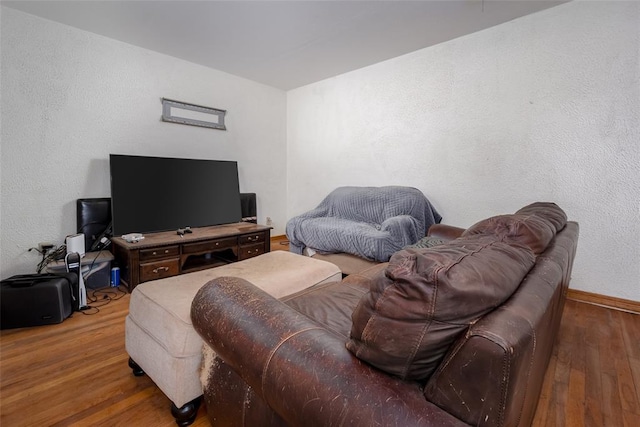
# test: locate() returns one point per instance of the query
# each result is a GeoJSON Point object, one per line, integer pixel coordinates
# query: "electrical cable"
{"type": "Point", "coordinates": [44, 255]}
{"type": "Point", "coordinates": [49, 256]}
{"type": "Point", "coordinates": [89, 272]}
{"type": "Point", "coordinates": [108, 294]}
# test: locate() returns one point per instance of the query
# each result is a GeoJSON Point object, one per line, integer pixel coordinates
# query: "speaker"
{"type": "Point", "coordinates": [36, 299]}
{"type": "Point", "coordinates": [93, 217]}
{"type": "Point", "coordinates": [248, 207]}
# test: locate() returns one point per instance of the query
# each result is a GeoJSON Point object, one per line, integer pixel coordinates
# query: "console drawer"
{"type": "Point", "coordinates": [159, 269]}
{"type": "Point", "coordinates": [159, 253]}
{"type": "Point", "coordinates": [249, 251]}
{"type": "Point", "coordinates": [209, 246]}
{"type": "Point", "coordinates": [251, 238]}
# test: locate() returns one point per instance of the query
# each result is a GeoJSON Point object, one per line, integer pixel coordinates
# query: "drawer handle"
{"type": "Point", "coordinates": [166, 251]}
{"type": "Point", "coordinates": [160, 269]}
{"type": "Point", "coordinates": [251, 239]}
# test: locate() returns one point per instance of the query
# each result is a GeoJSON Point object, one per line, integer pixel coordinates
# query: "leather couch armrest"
{"type": "Point", "coordinates": [301, 370]}
{"type": "Point", "coordinates": [445, 232]}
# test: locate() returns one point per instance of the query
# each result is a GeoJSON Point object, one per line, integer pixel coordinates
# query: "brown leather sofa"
{"type": "Point", "coordinates": [458, 334]}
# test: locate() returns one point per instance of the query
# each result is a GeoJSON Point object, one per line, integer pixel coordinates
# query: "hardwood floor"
{"type": "Point", "coordinates": [593, 378]}
{"type": "Point", "coordinates": [76, 373]}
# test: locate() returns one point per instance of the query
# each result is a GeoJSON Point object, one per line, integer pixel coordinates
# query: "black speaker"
{"type": "Point", "coordinates": [248, 207]}
{"type": "Point", "coordinates": [36, 299]}
{"type": "Point", "coordinates": [94, 220]}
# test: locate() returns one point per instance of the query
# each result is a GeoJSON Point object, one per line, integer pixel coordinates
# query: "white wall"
{"type": "Point", "coordinates": [69, 98]}
{"type": "Point", "coordinates": [543, 108]}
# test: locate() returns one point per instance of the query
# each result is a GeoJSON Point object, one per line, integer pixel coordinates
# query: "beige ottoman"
{"type": "Point", "coordinates": [160, 338]}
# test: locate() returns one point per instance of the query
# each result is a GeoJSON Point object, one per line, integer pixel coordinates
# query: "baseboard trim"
{"type": "Point", "coordinates": [604, 301]}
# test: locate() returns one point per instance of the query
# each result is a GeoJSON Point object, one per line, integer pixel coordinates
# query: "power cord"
{"type": "Point", "coordinates": [90, 270]}
{"type": "Point", "coordinates": [49, 255]}
{"type": "Point", "coordinates": [101, 297]}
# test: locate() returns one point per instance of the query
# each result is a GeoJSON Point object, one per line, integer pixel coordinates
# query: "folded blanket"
{"type": "Point", "coordinates": [370, 222]}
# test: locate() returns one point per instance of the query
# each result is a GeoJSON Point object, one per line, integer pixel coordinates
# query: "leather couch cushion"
{"type": "Point", "coordinates": [547, 211]}
{"type": "Point", "coordinates": [531, 230]}
{"type": "Point", "coordinates": [534, 226]}
{"type": "Point", "coordinates": [528, 230]}
{"type": "Point", "coordinates": [426, 297]}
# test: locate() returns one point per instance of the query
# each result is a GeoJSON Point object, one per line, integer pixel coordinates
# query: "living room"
{"type": "Point", "coordinates": [541, 108]}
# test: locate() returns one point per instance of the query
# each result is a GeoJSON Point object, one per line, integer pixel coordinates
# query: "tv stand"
{"type": "Point", "coordinates": [166, 254]}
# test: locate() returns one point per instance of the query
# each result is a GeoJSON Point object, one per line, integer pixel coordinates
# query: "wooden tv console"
{"type": "Point", "coordinates": [167, 254]}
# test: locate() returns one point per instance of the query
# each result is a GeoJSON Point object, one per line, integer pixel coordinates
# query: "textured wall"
{"type": "Point", "coordinates": [69, 98]}
{"type": "Point", "coordinates": [542, 108]}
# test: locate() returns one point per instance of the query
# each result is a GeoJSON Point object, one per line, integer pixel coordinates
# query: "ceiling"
{"type": "Point", "coordinates": [285, 44]}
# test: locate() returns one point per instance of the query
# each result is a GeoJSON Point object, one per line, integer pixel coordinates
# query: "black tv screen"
{"type": "Point", "coordinates": [158, 194]}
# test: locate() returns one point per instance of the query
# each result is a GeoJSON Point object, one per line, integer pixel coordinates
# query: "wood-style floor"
{"type": "Point", "coordinates": [76, 373]}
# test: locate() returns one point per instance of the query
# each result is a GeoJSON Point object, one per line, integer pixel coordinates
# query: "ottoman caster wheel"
{"type": "Point", "coordinates": [186, 414]}
{"type": "Point", "coordinates": [137, 370]}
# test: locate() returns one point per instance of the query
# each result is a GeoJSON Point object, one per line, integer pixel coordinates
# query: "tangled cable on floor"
{"type": "Point", "coordinates": [101, 297]}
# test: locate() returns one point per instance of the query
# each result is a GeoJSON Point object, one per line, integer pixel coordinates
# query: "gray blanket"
{"type": "Point", "coordinates": [370, 222]}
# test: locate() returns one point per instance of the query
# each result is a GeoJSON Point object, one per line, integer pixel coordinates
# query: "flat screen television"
{"type": "Point", "coordinates": [151, 194]}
